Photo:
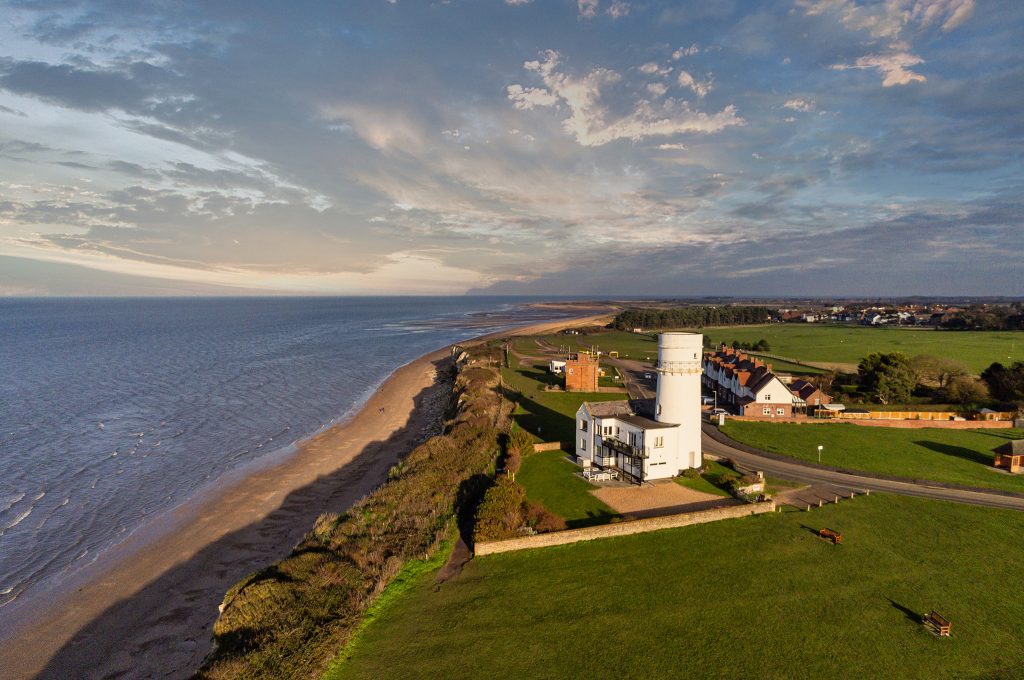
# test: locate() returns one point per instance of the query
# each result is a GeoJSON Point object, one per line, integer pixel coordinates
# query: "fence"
{"type": "Point", "coordinates": [638, 526]}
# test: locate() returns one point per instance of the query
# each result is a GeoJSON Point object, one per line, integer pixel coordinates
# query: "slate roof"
{"type": "Point", "coordinates": [1013, 448]}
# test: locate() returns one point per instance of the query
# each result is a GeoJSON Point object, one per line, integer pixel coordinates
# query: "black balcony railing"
{"type": "Point", "coordinates": [624, 448]}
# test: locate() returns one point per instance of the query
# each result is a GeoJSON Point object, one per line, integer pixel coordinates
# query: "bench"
{"type": "Point", "coordinates": [831, 535]}
{"type": "Point", "coordinates": [938, 624]}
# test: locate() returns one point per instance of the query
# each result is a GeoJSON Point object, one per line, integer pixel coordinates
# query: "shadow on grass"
{"type": "Point", "coordinates": [592, 519]}
{"type": "Point", "coordinates": [907, 611]}
{"type": "Point", "coordinates": [811, 529]}
{"type": "Point", "coordinates": [958, 452]}
{"type": "Point", "coordinates": [546, 423]}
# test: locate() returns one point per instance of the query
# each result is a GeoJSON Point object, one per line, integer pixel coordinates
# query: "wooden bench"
{"type": "Point", "coordinates": [937, 623]}
{"type": "Point", "coordinates": [831, 535]}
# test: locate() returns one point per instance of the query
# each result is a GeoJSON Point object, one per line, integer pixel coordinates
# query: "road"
{"type": "Point", "coordinates": [640, 387]}
{"type": "Point", "coordinates": [815, 475]}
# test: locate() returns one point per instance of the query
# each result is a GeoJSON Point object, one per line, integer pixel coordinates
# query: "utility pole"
{"type": "Point", "coordinates": [820, 447]}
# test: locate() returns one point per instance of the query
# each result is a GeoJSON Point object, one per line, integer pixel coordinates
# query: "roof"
{"type": "Point", "coordinates": [617, 409]}
{"type": "Point", "coordinates": [646, 423]}
{"type": "Point", "coordinates": [1013, 448]}
{"type": "Point", "coordinates": [608, 408]}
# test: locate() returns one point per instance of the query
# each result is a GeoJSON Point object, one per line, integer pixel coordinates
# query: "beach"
{"type": "Point", "coordinates": [148, 609]}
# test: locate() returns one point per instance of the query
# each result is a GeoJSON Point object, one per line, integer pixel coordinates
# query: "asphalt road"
{"type": "Point", "coordinates": [814, 475]}
{"type": "Point", "coordinates": [640, 387]}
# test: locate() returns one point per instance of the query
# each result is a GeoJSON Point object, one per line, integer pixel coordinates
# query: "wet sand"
{"type": "Point", "coordinates": [149, 609]}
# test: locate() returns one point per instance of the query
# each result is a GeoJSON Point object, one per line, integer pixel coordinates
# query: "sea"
{"type": "Point", "coordinates": [114, 411]}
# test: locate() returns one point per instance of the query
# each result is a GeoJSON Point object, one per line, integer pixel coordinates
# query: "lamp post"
{"type": "Point", "coordinates": [820, 447]}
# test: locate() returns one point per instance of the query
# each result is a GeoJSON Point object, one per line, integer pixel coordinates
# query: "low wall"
{"type": "Point", "coordinates": [907, 424]}
{"type": "Point", "coordinates": [638, 526]}
{"type": "Point", "coordinates": [939, 424]}
{"type": "Point", "coordinates": [547, 446]}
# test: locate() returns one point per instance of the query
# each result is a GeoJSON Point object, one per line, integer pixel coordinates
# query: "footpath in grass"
{"type": "Point", "coordinates": [757, 597]}
{"type": "Point", "coordinates": [952, 456]}
{"type": "Point", "coordinates": [550, 479]}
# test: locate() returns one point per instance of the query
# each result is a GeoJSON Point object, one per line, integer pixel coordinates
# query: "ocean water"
{"type": "Point", "coordinates": [115, 410]}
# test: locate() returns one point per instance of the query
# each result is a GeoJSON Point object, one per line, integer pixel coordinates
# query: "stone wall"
{"type": "Point", "coordinates": [907, 424]}
{"type": "Point", "coordinates": [638, 526]}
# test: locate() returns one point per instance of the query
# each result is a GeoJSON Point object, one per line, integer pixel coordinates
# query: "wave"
{"type": "Point", "coordinates": [17, 521]}
{"type": "Point", "coordinates": [11, 502]}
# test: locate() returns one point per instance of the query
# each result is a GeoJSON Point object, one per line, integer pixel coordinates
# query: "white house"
{"type": "Point", "coordinates": [649, 438]}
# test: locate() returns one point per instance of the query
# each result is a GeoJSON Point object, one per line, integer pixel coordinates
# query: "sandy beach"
{"type": "Point", "coordinates": [149, 609]}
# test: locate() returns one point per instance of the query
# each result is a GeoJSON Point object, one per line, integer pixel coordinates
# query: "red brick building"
{"type": "Point", "coordinates": [581, 372]}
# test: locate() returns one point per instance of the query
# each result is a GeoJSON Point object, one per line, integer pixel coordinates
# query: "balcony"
{"type": "Point", "coordinates": [624, 448]}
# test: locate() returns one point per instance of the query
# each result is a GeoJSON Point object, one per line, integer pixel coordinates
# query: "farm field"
{"type": "Point", "coordinates": [550, 479]}
{"type": "Point", "coordinates": [952, 456]}
{"type": "Point", "coordinates": [758, 597]}
{"type": "Point", "coordinates": [838, 344]}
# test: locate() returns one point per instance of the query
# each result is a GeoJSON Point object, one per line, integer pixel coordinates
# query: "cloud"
{"type": "Point", "coordinates": [618, 9]}
{"type": "Point", "coordinates": [518, 2]}
{"type": "Point", "coordinates": [685, 52]}
{"type": "Point", "coordinates": [805, 105]}
{"type": "Point", "coordinates": [527, 98]}
{"type": "Point", "coordinates": [895, 68]}
{"type": "Point", "coordinates": [593, 124]}
{"type": "Point", "coordinates": [587, 8]}
{"type": "Point", "coordinates": [657, 89]}
{"type": "Point", "coordinates": [672, 147]}
{"type": "Point", "coordinates": [699, 87]}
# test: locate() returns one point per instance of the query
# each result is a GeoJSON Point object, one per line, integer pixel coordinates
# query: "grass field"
{"type": "Point", "coordinates": [550, 479]}
{"type": "Point", "coordinates": [954, 456]}
{"type": "Point", "coordinates": [840, 344]}
{"type": "Point", "coordinates": [550, 416]}
{"type": "Point", "coordinates": [759, 597]}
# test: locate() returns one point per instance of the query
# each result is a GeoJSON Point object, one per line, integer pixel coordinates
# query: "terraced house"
{"type": "Point", "coordinates": [746, 384]}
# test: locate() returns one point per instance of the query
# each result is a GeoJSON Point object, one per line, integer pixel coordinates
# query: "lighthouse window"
{"type": "Point", "coordinates": [659, 409]}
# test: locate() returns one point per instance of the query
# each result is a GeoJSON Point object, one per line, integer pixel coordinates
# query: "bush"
{"type": "Point", "coordinates": [500, 514]}
{"type": "Point", "coordinates": [691, 473]}
{"type": "Point", "coordinates": [542, 520]}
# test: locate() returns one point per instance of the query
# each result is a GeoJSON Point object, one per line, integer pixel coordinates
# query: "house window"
{"type": "Point", "coordinates": [583, 444]}
{"type": "Point", "coordinates": [659, 442]}
{"type": "Point", "coordinates": [780, 411]}
{"type": "Point", "coordinates": [767, 397]}
{"type": "Point", "coordinates": [766, 411]}
{"type": "Point", "coordinates": [616, 429]}
{"type": "Point", "coordinates": [607, 430]}
{"type": "Point", "coordinates": [583, 425]}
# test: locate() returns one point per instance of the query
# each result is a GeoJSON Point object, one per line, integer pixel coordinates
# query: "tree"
{"type": "Point", "coordinates": [965, 389]}
{"type": "Point", "coordinates": [1005, 382]}
{"type": "Point", "coordinates": [939, 370]}
{"type": "Point", "coordinates": [887, 377]}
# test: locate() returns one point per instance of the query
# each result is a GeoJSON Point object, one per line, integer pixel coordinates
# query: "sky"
{"type": "Point", "coordinates": [550, 147]}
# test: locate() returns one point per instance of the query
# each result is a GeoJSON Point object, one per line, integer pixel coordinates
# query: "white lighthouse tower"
{"type": "Point", "coordinates": [678, 397]}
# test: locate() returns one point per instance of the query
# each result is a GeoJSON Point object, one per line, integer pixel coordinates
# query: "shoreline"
{"type": "Point", "coordinates": [148, 607]}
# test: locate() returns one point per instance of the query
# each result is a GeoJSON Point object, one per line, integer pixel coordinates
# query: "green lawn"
{"type": "Point", "coordinates": [849, 344]}
{"type": "Point", "coordinates": [702, 484]}
{"type": "Point", "coordinates": [550, 479]}
{"type": "Point", "coordinates": [840, 344]}
{"type": "Point", "coordinates": [550, 416]}
{"type": "Point", "coordinates": [760, 597]}
{"type": "Point", "coordinates": [954, 456]}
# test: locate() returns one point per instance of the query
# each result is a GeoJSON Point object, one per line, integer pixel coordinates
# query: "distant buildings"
{"type": "Point", "coordinates": [747, 384]}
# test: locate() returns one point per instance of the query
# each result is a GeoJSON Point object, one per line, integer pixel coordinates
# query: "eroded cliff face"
{"type": "Point", "coordinates": [292, 618]}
